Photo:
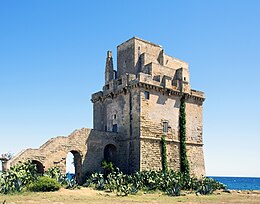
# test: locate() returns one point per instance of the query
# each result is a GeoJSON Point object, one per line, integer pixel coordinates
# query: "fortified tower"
{"type": "Point", "coordinates": [140, 102]}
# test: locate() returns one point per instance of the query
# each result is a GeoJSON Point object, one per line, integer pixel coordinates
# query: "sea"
{"type": "Point", "coordinates": [239, 183]}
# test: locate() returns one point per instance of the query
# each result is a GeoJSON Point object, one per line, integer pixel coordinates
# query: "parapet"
{"type": "Point", "coordinates": [140, 61]}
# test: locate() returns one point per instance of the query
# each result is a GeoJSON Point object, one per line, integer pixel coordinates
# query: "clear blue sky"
{"type": "Point", "coordinates": [52, 57]}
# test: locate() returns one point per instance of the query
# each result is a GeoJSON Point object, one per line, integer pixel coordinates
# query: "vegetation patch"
{"type": "Point", "coordinates": [44, 184]}
{"type": "Point", "coordinates": [18, 177]}
{"type": "Point", "coordinates": [24, 176]}
{"type": "Point", "coordinates": [184, 166]}
{"type": "Point", "coordinates": [170, 182]}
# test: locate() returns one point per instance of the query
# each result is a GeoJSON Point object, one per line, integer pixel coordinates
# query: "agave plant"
{"type": "Point", "coordinates": [169, 182]}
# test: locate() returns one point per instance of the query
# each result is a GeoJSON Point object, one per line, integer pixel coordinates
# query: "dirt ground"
{"type": "Point", "coordinates": [86, 195]}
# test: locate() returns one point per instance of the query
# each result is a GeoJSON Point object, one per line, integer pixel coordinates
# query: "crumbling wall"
{"type": "Point", "coordinates": [88, 144]}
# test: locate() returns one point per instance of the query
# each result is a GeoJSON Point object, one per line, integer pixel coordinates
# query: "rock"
{"type": "Point", "coordinates": [227, 191]}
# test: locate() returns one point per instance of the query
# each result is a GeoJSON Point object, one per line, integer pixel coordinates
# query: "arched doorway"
{"type": "Point", "coordinates": [39, 167]}
{"type": "Point", "coordinates": [74, 165]}
{"type": "Point", "coordinates": [110, 153]}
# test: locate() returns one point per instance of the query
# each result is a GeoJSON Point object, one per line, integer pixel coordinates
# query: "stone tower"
{"type": "Point", "coordinates": [140, 102]}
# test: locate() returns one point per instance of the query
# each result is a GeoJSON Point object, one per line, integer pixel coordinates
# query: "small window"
{"type": "Point", "coordinates": [165, 127]}
{"type": "Point", "coordinates": [114, 128]}
{"type": "Point", "coordinates": [149, 70]}
{"type": "Point", "coordinates": [184, 78]}
{"type": "Point", "coordinates": [157, 78]}
{"type": "Point", "coordinates": [107, 86]}
{"type": "Point", "coordinates": [115, 74]}
{"type": "Point", "coordinates": [114, 116]}
{"type": "Point", "coordinates": [146, 95]}
{"type": "Point", "coordinates": [105, 128]}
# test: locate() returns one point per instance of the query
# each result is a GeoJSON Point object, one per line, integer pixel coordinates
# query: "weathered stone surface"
{"type": "Point", "coordinates": [144, 69]}
{"type": "Point", "coordinates": [139, 103]}
{"type": "Point", "coordinates": [87, 145]}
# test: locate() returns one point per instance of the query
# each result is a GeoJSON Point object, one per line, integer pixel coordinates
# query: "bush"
{"type": "Point", "coordinates": [44, 184]}
{"type": "Point", "coordinates": [54, 172]}
{"type": "Point", "coordinates": [208, 186]}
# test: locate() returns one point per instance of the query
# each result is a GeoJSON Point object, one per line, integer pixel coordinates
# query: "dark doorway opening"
{"type": "Point", "coordinates": [110, 153]}
{"type": "Point", "coordinates": [39, 167]}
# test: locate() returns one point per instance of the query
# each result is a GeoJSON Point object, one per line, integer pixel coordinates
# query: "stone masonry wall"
{"type": "Point", "coordinates": [196, 159]}
{"type": "Point", "coordinates": [158, 109]}
{"type": "Point", "coordinates": [88, 143]}
{"type": "Point", "coordinates": [151, 156]}
{"type": "Point", "coordinates": [162, 107]}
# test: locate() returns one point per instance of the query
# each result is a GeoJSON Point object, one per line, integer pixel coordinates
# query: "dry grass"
{"type": "Point", "coordinates": [86, 195]}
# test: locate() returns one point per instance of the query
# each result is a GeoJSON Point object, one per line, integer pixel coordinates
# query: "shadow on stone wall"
{"type": "Point", "coordinates": [96, 143]}
{"type": "Point", "coordinates": [87, 146]}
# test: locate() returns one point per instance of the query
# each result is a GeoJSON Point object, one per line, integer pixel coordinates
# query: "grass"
{"type": "Point", "coordinates": [87, 195]}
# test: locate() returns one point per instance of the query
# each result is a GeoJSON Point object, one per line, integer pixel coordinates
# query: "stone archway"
{"type": "Point", "coordinates": [110, 153]}
{"type": "Point", "coordinates": [77, 162]}
{"type": "Point", "coordinates": [39, 167]}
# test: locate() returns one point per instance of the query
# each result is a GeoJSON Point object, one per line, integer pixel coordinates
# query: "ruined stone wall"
{"type": "Point", "coordinates": [87, 143]}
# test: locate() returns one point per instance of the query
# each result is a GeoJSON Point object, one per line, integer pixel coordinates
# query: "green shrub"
{"type": "Point", "coordinates": [44, 184]}
{"type": "Point", "coordinates": [108, 167]}
{"type": "Point", "coordinates": [54, 172]}
{"type": "Point", "coordinates": [208, 186]}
